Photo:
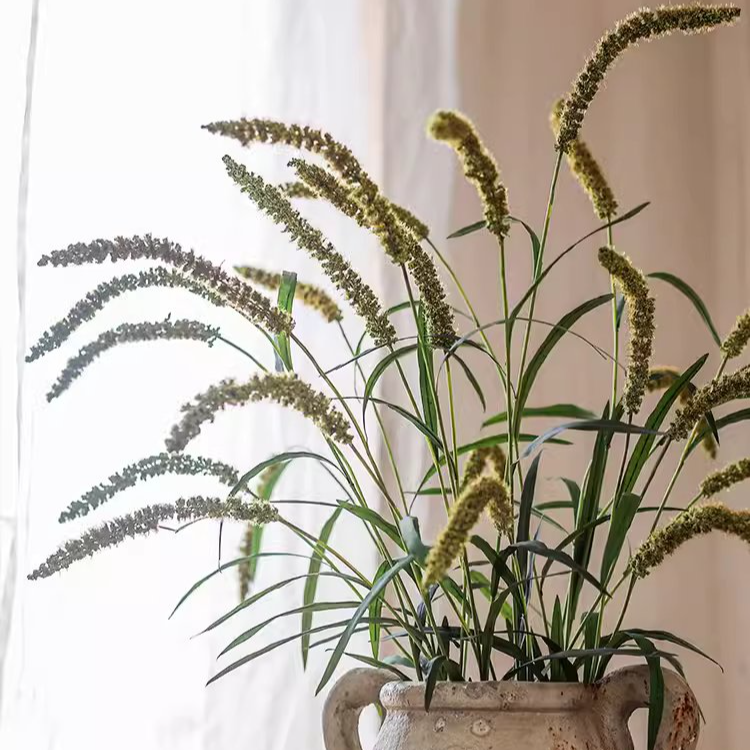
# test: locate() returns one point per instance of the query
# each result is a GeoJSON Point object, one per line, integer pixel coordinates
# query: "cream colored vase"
{"type": "Point", "coordinates": [508, 715]}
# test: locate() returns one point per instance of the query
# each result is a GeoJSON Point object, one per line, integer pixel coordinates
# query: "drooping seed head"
{"type": "Point", "coordinates": [641, 309]}
{"type": "Point", "coordinates": [643, 25]}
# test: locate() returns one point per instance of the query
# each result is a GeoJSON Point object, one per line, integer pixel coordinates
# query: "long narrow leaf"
{"type": "Point", "coordinates": [313, 607]}
{"type": "Point", "coordinates": [589, 425]}
{"type": "Point", "coordinates": [565, 411]}
{"type": "Point", "coordinates": [694, 298]}
{"type": "Point", "coordinates": [279, 458]}
{"type": "Point", "coordinates": [245, 560]}
{"type": "Point", "coordinates": [338, 651]}
{"type": "Point", "coordinates": [311, 582]}
{"type": "Point", "coordinates": [285, 302]}
{"type": "Point", "coordinates": [535, 363]}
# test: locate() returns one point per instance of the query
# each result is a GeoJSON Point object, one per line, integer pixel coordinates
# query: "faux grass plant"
{"type": "Point", "coordinates": [497, 619]}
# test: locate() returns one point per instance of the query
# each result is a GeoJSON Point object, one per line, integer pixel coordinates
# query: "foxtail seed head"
{"type": "Point", "coordinates": [701, 519]}
{"type": "Point", "coordinates": [661, 378]}
{"type": "Point", "coordinates": [464, 515]}
{"type": "Point", "coordinates": [130, 333]}
{"type": "Point", "coordinates": [284, 389]}
{"type": "Point", "coordinates": [148, 520]}
{"type": "Point", "coordinates": [86, 309]}
{"type": "Point", "coordinates": [643, 25]}
{"type": "Point", "coordinates": [734, 344]}
{"type": "Point", "coordinates": [308, 294]}
{"type": "Point", "coordinates": [727, 388]}
{"type": "Point", "coordinates": [270, 200]}
{"type": "Point", "coordinates": [721, 480]}
{"type": "Point", "coordinates": [147, 468]}
{"type": "Point", "coordinates": [239, 296]}
{"type": "Point", "coordinates": [641, 310]}
{"type": "Point", "coordinates": [587, 171]}
{"type": "Point", "coordinates": [479, 166]}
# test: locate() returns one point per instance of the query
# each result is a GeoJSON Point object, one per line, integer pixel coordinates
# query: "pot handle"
{"type": "Point", "coordinates": [627, 689]}
{"type": "Point", "coordinates": [351, 693]}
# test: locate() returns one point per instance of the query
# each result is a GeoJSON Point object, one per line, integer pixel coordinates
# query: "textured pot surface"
{"type": "Point", "coordinates": [508, 715]}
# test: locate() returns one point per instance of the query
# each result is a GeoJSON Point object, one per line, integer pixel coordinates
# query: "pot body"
{"type": "Point", "coordinates": [508, 715]}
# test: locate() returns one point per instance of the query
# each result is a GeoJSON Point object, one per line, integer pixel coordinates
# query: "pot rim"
{"type": "Point", "coordinates": [492, 696]}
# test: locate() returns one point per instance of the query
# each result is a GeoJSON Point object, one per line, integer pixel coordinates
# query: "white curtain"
{"type": "Point", "coordinates": [118, 94]}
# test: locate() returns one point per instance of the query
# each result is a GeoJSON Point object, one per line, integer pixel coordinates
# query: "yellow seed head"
{"type": "Point", "coordinates": [643, 25]}
{"type": "Point", "coordinates": [724, 478]}
{"type": "Point", "coordinates": [587, 171]}
{"type": "Point", "coordinates": [463, 517]}
{"type": "Point", "coordinates": [362, 298]}
{"type": "Point", "coordinates": [727, 388]}
{"type": "Point", "coordinates": [661, 378]}
{"type": "Point", "coordinates": [478, 164]}
{"type": "Point", "coordinates": [640, 321]}
{"type": "Point", "coordinates": [308, 294]}
{"type": "Point", "coordinates": [735, 343]}
{"type": "Point", "coordinates": [481, 460]}
{"type": "Point", "coordinates": [694, 522]}
{"type": "Point", "coordinates": [283, 388]}
{"type": "Point", "coordinates": [297, 189]}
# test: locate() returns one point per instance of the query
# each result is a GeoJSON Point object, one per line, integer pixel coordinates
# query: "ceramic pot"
{"type": "Point", "coordinates": [508, 715]}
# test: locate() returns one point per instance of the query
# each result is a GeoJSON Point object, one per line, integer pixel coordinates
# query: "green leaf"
{"type": "Point", "coordinates": [372, 517]}
{"type": "Point", "coordinates": [375, 611]}
{"type": "Point", "coordinates": [742, 415]}
{"type": "Point", "coordinates": [610, 426]}
{"type": "Point", "coordinates": [553, 553]}
{"type": "Point", "coordinates": [581, 653]}
{"type": "Point", "coordinates": [285, 302]}
{"type": "Point", "coordinates": [225, 566]}
{"type": "Point", "coordinates": [565, 411]}
{"type": "Point", "coordinates": [274, 587]}
{"type": "Point", "coordinates": [283, 641]}
{"type": "Point", "coordinates": [266, 491]}
{"type": "Point", "coordinates": [524, 514]}
{"type": "Point", "coordinates": [624, 217]}
{"type": "Point", "coordinates": [536, 362]}
{"type": "Point", "coordinates": [311, 582]}
{"type": "Point", "coordinates": [416, 421]}
{"type": "Point", "coordinates": [619, 310]}
{"type": "Point", "coordinates": [694, 298]}
{"type": "Point", "coordinates": [473, 381]}
{"type": "Point", "coordinates": [485, 442]}
{"type": "Point", "coordinates": [642, 450]}
{"type": "Point", "coordinates": [380, 368]}
{"type": "Point", "coordinates": [712, 424]}
{"type": "Point", "coordinates": [558, 636]}
{"type": "Point", "coordinates": [435, 668]}
{"type": "Point", "coordinates": [575, 494]}
{"type": "Point", "coordinates": [378, 664]}
{"type": "Point", "coordinates": [426, 376]}
{"type": "Point", "coordinates": [379, 586]}
{"type": "Point", "coordinates": [535, 244]}
{"type": "Point", "coordinates": [312, 607]}
{"type": "Point", "coordinates": [590, 636]}
{"type": "Point", "coordinates": [475, 227]}
{"type": "Point", "coordinates": [587, 512]}
{"type": "Point", "coordinates": [279, 458]}
{"type": "Point", "coordinates": [409, 526]}
{"type": "Point", "coordinates": [622, 518]}
{"type": "Point", "coordinates": [655, 689]}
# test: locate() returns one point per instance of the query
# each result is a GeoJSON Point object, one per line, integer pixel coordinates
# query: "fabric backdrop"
{"type": "Point", "coordinates": [113, 146]}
